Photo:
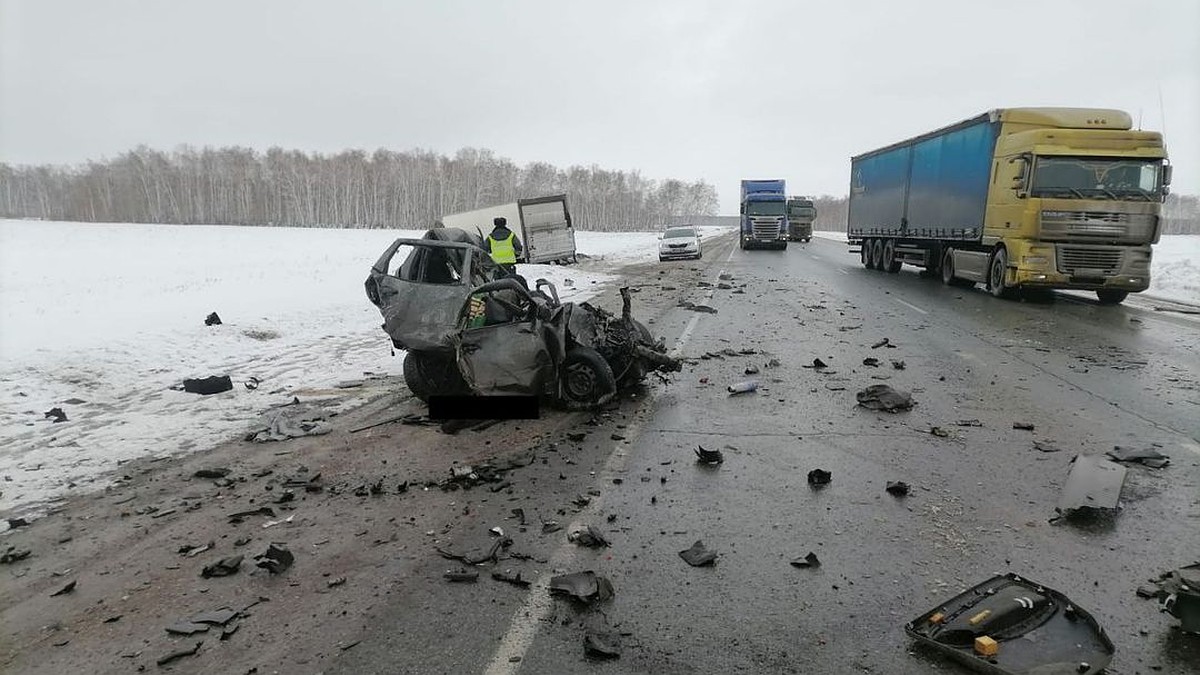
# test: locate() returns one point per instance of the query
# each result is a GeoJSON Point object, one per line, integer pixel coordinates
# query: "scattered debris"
{"type": "Point", "coordinates": [602, 644]}
{"type": "Point", "coordinates": [807, 561]}
{"type": "Point", "coordinates": [1144, 456]}
{"type": "Point", "coordinates": [69, 588]}
{"type": "Point", "coordinates": [178, 654]}
{"type": "Point", "coordinates": [1179, 594]}
{"type": "Point", "coordinates": [1045, 446]}
{"type": "Point", "coordinates": [13, 554]}
{"type": "Point", "coordinates": [186, 628]}
{"type": "Point", "coordinates": [252, 383]}
{"type": "Point", "coordinates": [819, 477]}
{"type": "Point", "coordinates": [55, 414]}
{"type": "Point", "coordinates": [969, 423]}
{"type": "Point", "coordinates": [897, 488]}
{"type": "Point", "coordinates": [697, 555]}
{"type": "Point", "coordinates": [510, 577]}
{"type": "Point", "coordinates": [885, 342]}
{"type": "Point", "coordinates": [223, 567]}
{"type": "Point", "coordinates": [586, 587]}
{"type": "Point", "coordinates": [883, 397]}
{"type": "Point", "coordinates": [1029, 628]}
{"type": "Point", "coordinates": [576, 436]}
{"type": "Point", "coordinates": [816, 363]}
{"type": "Point", "coordinates": [519, 515]}
{"type": "Point", "coordinates": [742, 387]}
{"type": "Point", "coordinates": [291, 421]}
{"type": "Point", "coordinates": [240, 516]}
{"type": "Point", "coordinates": [273, 523]}
{"type": "Point", "coordinates": [698, 308]}
{"type": "Point", "coordinates": [217, 472]}
{"type": "Point", "coordinates": [276, 559]}
{"type": "Point", "coordinates": [496, 531]}
{"type": "Point", "coordinates": [751, 370]}
{"type": "Point", "coordinates": [192, 550]}
{"type": "Point", "coordinates": [898, 365]}
{"type": "Point", "coordinates": [550, 526]}
{"type": "Point", "coordinates": [212, 320]}
{"type": "Point", "coordinates": [1093, 484]}
{"type": "Point", "coordinates": [478, 556]}
{"type": "Point", "coordinates": [461, 576]}
{"type": "Point", "coordinates": [708, 456]}
{"type": "Point", "coordinates": [206, 386]}
{"type": "Point", "coordinates": [216, 617]}
{"type": "Point", "coordinates": [939, 432]}
{"type": "Point", "coordinates": [589, 537]}
{"type": "Point", "coordinates": [871, 361]}
{"type": "Point", "coordinates": [1023, 426]}
{"type": "Point", "coordinates": [334, 583]}
{"type": "Point", "coordinates": [725, 276]}
{"type": "Point", "coordinates": [14, 523]}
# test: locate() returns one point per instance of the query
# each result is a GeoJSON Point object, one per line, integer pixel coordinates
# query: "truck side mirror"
{"type": "Point", "coordinates": [1166, 175]}
{"type": "Point", "coordinates": [1020, 180]}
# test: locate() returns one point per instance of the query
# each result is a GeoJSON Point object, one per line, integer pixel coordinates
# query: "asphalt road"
{"type": "Point", "coordinates": [1087, 377]}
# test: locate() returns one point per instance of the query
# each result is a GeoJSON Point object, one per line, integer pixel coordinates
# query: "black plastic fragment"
{"type": "Point", "coordinates": [704, 456]}
{"type": "Point", "coordinates": [1023, 426]}
{"type": "Point", "coordinates": [212, 320]}
{"type": "Point", "coordinates": [510, 577]}
{"type": "Point", "coordinates": [1144, 456]}
{"type": "Point", "coordinates": [883, 397]}
{"type": "Point", "coordinates": [55, 414]}
{"type": "Point", "coordinates": [223, 567]}
{"type": "Point", "coordinates": [816, 363]}
{"type": "Point", "coordinates": [807, 561]}
{"type": "Point", "coordinates": [589, 537]}
{"type": "Point", "coordinates": [13, 554]}
{"type": "Point", "coordinates": [205, 386]}
{"type": "Point", "coordinates": [871, 361]}
{"type": "Point", "coordinates": [461, 576]}
{"type": "Point", "coordinates": [185, 627]}
{"type": "Point", "coordinates": [819, 477]}
{"type": "Point", "coordinates": [260, 511]}
{"type": "Point", "coordinates": [69, 588]}
{"type": "Point", "coordinates": [698, 555]}
{"type": "Point", "coordinates": [275, 559]}
{"type": "Point", "coordinates": [602, 644]}
{"type": "Point", "coordinates": [586, 587]}
{"type": "Point", "coordinates": [213, 472]}
{"type": "Point", "coordinates": [897, 488]}
{"type": "Point", "coordinates": [216, 617]}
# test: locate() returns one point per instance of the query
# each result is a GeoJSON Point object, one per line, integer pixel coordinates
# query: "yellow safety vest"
{"type": "Point", "coordinates": [503, 251]}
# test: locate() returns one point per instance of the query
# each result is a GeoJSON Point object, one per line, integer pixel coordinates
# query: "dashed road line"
{"type": "Point", "coordinates": [910, 306]}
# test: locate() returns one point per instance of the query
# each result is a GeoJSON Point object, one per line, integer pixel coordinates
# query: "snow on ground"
{"type": "Point", "coordinates": [1174, 268]}
{"type": "Point", "coordinates": [113, 315]}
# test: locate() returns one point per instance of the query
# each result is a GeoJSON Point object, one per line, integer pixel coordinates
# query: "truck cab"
{"type": "Point", "coordinates": [800, 216]}
{"type": "Point", "coordinates": [764, 214]}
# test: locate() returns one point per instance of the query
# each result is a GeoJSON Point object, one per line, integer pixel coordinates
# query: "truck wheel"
{"type": "Point", "coordinates": [996, 273]}
{"type": "Point", "coordinates": [1109, 296]}
{"type": "Point", "coordinates": [587, 379]}
{"type": "Point", "coordinates": [428, 373]}
{"type": "Point", "coordinates": [877, 254]}
{"type": "Point", "coordinates": [864, 252]}
{"type": "Point", "coordinates": [890, 264]}
{"type": "Point", "coordinates": [742, 240]}
{"type": "Point", "coordinates": [948, 267]}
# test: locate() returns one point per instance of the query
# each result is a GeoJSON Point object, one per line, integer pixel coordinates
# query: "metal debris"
{"type": "Point", "coordinates": [897, 488]}
{"type": "Point", "coordinates": [461, 576]}
{"type": "Point", "coordinates": [807, 561]}
{"type": "Point", "coordinates": [55, 414]}
{"type": "Point", "coordinates": [871, 361]}
{"type": "Point", "coordinates": [602, 644]}
{"type": "Point", "coordinates": [178, 654]}
{"type": "Point", "coordinates": [223, 567]}
{"type": "Point", "coordinates": [708, 456]}
{"type": "Point", "coordinates": [510, 577]}
{"type": "Point", "coordinates": [212, 320]}
{"type": "Point", "coordinates": [883, 397]}
{"type": "Point", "coordinates": [242, 515]}
{"type": "Point", "coordinates": [589, 537]}
{"type": "Point", "coordinates": [742, 387]}
{"type": "Point", "coordinates": [698, 555]}
{"type": "Point", "coordinates": [1093, 484]}
{"type": "Point", "coordinates": [969, 423]}
{"type": "Point", "coordinates": [816, 363]}
{"type": "Point", "coordinates": [885, 342]}
{"type": "Point", "coordinates": [1045, 446]}
{"type": "Point", "coordinates": [898, 365]}
{"type": "Point", "coordinates": [1144, 456]}
{"type": "Point", "coordinates": [275, 559]}
{"type": "Point", "coordinates": [939, 432]}
{"type": "Point", "coordinates": [13, 554]}
{"type": "Point", "coordinates": [69, 588]}
{"type": "Point", "coordinates": [586, 587]}
{"type": "Point", "coordinates": [1023, 426]}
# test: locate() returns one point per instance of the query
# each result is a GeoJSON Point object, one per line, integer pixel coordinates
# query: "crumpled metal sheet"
{"type": "Point", "coordinates": [1094, 483]}
{"type": "Point", "coordinates": [290, 422]}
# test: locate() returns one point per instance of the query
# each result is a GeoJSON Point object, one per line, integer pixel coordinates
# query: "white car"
{"type": "Point", "coordinates": [679, 243]}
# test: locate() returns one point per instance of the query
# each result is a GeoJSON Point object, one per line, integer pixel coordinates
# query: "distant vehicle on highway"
{"type": "Point", "coordinates": [543, 224]}
{"type": "Point", "coordinates": [1020, 199]}
{"type": "Point", "coordinates": [680, 243]}
{"type": "Point", "coordinates": [763, 214]}
{"type": "Point", "coordinates": [800, 215]}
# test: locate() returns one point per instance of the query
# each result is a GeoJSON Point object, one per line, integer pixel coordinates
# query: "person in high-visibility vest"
{"type": "Point", "coordinates": [504, 246]}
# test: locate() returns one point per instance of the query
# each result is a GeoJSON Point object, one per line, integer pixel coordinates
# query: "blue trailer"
{"type": "Point", "coordinates": [764, 214]}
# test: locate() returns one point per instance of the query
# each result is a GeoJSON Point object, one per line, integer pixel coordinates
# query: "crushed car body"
{"type": "Point", "coordinates": [468, 328]}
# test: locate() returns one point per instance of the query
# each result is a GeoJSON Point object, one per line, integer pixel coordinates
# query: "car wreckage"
{"type": "Point", "coordinates": [470, 329]}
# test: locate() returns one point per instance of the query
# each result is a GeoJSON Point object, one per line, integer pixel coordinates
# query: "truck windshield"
{"type": "Point", "coordinates": [1097, 177]}
{"type": "Point", "coordinates": [765, 208]}
{"type": "Point", "coordinates": [801, 210]}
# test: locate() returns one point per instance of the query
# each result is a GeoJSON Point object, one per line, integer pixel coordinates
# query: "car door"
{"type": "Point", "coordinates": [508, 353]}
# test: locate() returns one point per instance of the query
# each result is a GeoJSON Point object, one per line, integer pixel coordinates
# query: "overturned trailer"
{"type": "Point", "coordinates": [468, 328]}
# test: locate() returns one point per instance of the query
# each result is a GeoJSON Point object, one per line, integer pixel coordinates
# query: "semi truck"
{"type": "Point", "coordinates": [543, 224]}
{"type": "Point", "coordinates": [1022, 200]}
{"type": "Point", "coordinates": [764, 214]}
{"type": "Point", "coordinates": [800, 216]}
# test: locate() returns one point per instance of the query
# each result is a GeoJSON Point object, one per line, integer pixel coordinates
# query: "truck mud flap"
{"type": "Point", "coordinates": [1008, 625]}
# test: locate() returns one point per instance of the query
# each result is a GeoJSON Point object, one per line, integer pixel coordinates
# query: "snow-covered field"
{"type": "Point", "coordinates": [113, 315]}
{"type": "Point", "coordinates": [1174, 270]}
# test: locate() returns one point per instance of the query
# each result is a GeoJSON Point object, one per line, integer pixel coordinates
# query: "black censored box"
{"type": "Point", "coordinates": [484, 408]}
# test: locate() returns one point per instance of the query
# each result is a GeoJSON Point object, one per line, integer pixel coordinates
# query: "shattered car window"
{"type": "Point", "coordinates": [495, 308]}
{"type": "Point", "coordinates": [429, 265]}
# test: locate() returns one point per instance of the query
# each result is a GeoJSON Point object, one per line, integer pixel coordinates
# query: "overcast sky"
{"type": "Point", "coordinates": [688, 89]}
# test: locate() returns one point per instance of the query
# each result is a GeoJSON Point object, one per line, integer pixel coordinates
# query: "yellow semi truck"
{"type": "Point", "coordinates": [1019, 199]}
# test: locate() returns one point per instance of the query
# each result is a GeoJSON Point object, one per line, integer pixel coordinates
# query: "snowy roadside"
{"type": "Point", "coordinates": [1174, 271]}
{"type": "Point", "coordinates": [113, 315]}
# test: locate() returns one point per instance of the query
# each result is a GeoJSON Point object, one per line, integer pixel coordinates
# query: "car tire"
{"type": "Point", "coordinates": [433, 373]}
{"type": "Point", "coordinates": [1108, 296]}
{"type": "Point", "coordinates": [586, 379]}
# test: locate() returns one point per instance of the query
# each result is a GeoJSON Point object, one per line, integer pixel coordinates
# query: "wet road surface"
{"type": "Point", "coordinates": [1087, 377]}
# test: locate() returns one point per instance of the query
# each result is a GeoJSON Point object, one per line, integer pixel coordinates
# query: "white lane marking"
{"type": "Point", "coordinates": [731, 252]}
{"type": "Point", "coordinates": [843, 270]}
{"type": "Point", "coordinates": [538, 604]}
{"type": "Point", "coordinates": [814, 257]}
{"type": "Point", "coordinates": [910, 305]}
{"type": "Point", "coordinates": [1188, 445]}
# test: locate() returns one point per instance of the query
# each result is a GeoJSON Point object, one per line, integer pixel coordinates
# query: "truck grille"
{"type": "Point", "coordinates": [766, 230]}
{"type": "Point", "coordinates": [1089, 261]}
{"type": "Point", "coordinates": [1104, 225]}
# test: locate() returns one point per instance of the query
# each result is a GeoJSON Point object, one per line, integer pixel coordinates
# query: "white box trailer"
{"type": "Point", "coordinates": [543, 224]}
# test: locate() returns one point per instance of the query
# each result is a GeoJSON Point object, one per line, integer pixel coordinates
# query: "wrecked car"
{"type": "Point", "coordinates": [468, 329]}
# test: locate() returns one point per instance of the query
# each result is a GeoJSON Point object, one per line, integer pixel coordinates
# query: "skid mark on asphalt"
{"type": "Point", "coordinates": [538, 604]}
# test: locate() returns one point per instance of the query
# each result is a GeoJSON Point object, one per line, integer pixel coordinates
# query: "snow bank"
{"type": "Point", "coordinates": [113, 315]}
{"type": "Point", "coordinates": [1174, 270]}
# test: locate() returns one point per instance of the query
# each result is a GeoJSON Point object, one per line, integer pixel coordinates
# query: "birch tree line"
{"type": "Point", "coordinates": [383, 189]}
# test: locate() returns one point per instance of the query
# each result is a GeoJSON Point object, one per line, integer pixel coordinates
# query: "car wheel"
{"type": "Point", "coordinates": [996, 273]}
{"type": "Point", "coordinates": [1109, 296]}
{"type": "Point", "coordinates": [587, 379]}
{"type": "Point", "coordinates": [432, 373]}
